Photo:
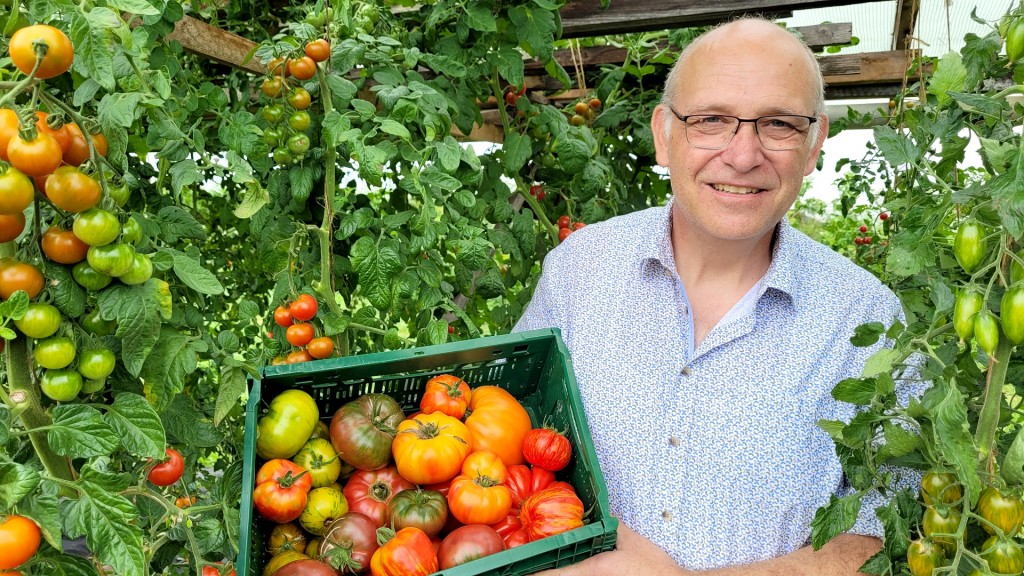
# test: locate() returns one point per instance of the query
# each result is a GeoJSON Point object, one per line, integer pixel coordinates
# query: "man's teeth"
{"type": "Point", "coordinates": [735, 189]}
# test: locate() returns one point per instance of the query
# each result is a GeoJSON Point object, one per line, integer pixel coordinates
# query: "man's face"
{"type": "Point", "coordinates": [742, 191]}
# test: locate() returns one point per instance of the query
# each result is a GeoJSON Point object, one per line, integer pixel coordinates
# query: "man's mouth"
{"type": "Point", "coordinates": [736, 189]}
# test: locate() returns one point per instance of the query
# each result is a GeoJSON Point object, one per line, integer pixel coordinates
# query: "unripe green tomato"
{"type": "Point", "coordinates": [55, 352]}
{"type": "Point", "coordinates": [986, 331]}
{"type": "Point", "coordinates": [40, 320]}
{"type": "Point", "coordinates": [94, 324]}
{"type": "Point", "coordinates": [96, 363]}
{"type": "Point", "coordinates": [1003, 555]}
{"type": "Point", "coordinates": [968, 303]}
{"type": "Point", "coordinates": [969, 245]}
{"type": "Point", "coordinates": [131, 231]}
{"type": "Point", "coordinates": [923, 556]}
{"type": "Point", "coordinates": [120, 195]}
{"type": "Point", "coordinates": [140, 271]}
{"type": "Point", "coordinates": [61, 385]}
{"type": "Point", "coordinates": [96, 227]}
{"type": "Point", "coordinates": [111, 259]}
{"type": "Point", "coordinates": [1015, 40]}
{"type": "Point", "coordinates": [286, 426]}
{"type": "Point", "coordinates": [88, 277]}
{"type": "Point", "coordinates": [93, 386]}
{"type": "Point", "coordinates": [282, 156]}
{"type": "Point", "coordinates": [1011, 314]}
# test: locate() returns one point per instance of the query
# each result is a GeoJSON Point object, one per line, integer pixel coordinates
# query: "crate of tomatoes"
{"type": "Point", "coordinates": [460, 459]}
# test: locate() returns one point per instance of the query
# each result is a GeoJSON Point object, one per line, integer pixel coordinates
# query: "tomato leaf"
{"type": "Point", "coordinates": [44, 509]}
{"type": "Point", "coordinates": [517, 151]}
{"type": "Point", "coordinates": [192, 273]}
{"type": "Point", "coordinates": [877, 564]}
{"type": "Point", "coordinates": [15, 306]}
{"type": "Point", "coordinates": [138, 424]}
{"type": "Point", "coordinates": [953, 440]}
{"type": "Point", "coordinates": [232, 386]}
{"type": "Point", "coordinates": [68, 295]}
{"type": "Point", "coordinates": [376, 264]}
{"type": "Point", "coordinates": [79, 430]}
{"type": "Point", "coordinates": [449, 154]}
{"type": "Point", "coordinates": [898, 441]}
{"type": "Point", "coordinates": [184, 174]}
{"type": "Point", "coordinates": [188, 425]}
{"type": "Point", "coordinates": [838, 516]}
{"type": "Point", "coordinates": [136, 309]}
{"type": "Point", "coordinates": [106, 519]}
{"type": "Point", "coordinates": [254, 198]}
{"type": "Point", "coordinates": [536, 30]}
{"type": "Point", "coordinates": [94, 44]}
{"type": "Point", "coordinates": [897, 148]}
{"type": "Point", "coordinates": [16, 482]}
{"type": "Point", "coordinates": [174, 356]}
{"type": "Point", "coordinates": [175, 223]}
{"type": "Point", "coordinates": [880, 362]}
{"type": "Point", "coordinates": [867, 334]}
{"type": "Point", "coordinates": [950, 76]}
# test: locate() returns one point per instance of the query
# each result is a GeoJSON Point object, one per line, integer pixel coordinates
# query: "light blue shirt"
{"type": "Point", "coordinates": [712, 452]}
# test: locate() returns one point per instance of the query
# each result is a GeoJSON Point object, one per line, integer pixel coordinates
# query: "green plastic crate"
{"type": "Point", "coordinates": [533, 366]}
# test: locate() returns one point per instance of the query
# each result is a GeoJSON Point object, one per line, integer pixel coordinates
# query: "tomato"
{"type": "Point", "coordinates": [283, 559]}
{"type": "Point", "coordinates": [283, 430]}
{"type": "Point", "coordinates": [424, 509]}
{"type": "Point", "coordinates": [282, 489]}
{"type": "Point", "coordinates": [218, 570]}
{"type": "Point", "coordinates": [468, 543]}
{"type": "Point", "coordinates": [40, 320]}
{"type": "Point", "coordinates": [131, 231]}
{"type": "Point", "coordinates": [19, 540]}
{"type": "Point", "coordinates": [323, 506]}
{"type": "Point", "coordinates": [431, 448]}
{"type": "Point", "coordinates": [941, 522]}
{"type": "Point", "coordinates": [11, 226]}
{"type": "Point", "coordinates": [1015, 39]}
{"type": "Point", "coordinates": [349, 543]}
{"type": "Point", "coordinates": [478, 495]}
{"type": "Point", "coordinates": [307, 567]}
{"type": "Point", "coordinates": [63, 246]}
{"type": "Point", "coordinates": [563, 222]}
{"type": "Point", "coordinates": [924, 556]}
{"type": "Point", "coordinates": [273, 113]}
{"type": "Point", "coordinates": [1011, 314]}
{"type": "Point", "coordinates": [282, 317]}
{"type": "Point", "coordinates": [579, 225]}
{"type": "Point", "coordinates": [272, 87]}
{"type": "Point", "coordinates": [370, 491]}
{"type": "Point", "coordinates": [551, 511]}
{"type": "Point", "coordinates": [16, 192]}
{"type": "Point", "coordinates": [59, 53]}
{"type": "Point", "coordinates": [522, 482]}
{"type": "Point", "coordinates": [184, 502]}
{"type": "Point", "coordinates": [119, 194]}
{"type": "Point", "coordinates": [168, 471]}
{"type": "Point", "coordinates": [407, 552]}
{"type": "Point", "coordinates": [299, 98]}
{"type": "Point", "coordinates": [78, 151]}
{"type": "Point", "coordinates": [318, 50]}
{"type": "Point", "coordinates": [37, 156]}
{"type": "Point", "coordinates": [287, 536]}
{"type": "Point", "coordinates": [93, 323]}
{"type": "Point", "coordinates": [282, 156]}
{"type": "Point", "coordinates": [304, 307]}
{"type": "Point", "coordinates": [362, 430]}
{"type": "Point", "coordinates": [89, 278]}
{"type": "Point", "coordinates": [298, 144]}
{"type": "Point", "coordinates": [61, 385]}
{"type": "Point", "coordinates": [969, 245]}
{"type": "Point", "coordinates": [112, 259]}
{"type": "Point", "coordinates": [547, 448]}
{"type": "Point", "coordinates": [54, 352]}
{"type": "Point", "coordinates": [321, 459]}
{"type": "Point", "coordinates": [96, 227]}
{"type": "Point", "coordinates": [508, 525]}
{"type": "Point", "coordinates": [141, 268]}
{"type": "Point", "coordinates": [320, 347]}
{"type": "Point", "coordinates": [1003, 511]}
{"type": "Point", "coordinates": [1003, 555]}
{"type": "Point", "coordinates": [447, 394]}
{"type": "Point", "coordinates": [9, 127]}
{"type": "Point", "coordinates": [72, 190]}
{"type": "Point", "coordinates": [302, 68]}
{"type": "Point", "coordinates": [299, 334]}
{"type": "Point", "coordinates": [940, 486]}
{"type": "Point", "coordinates": [61, 134]}
{"type": "Point", "coordinates": [299, 120]}
{"type": "Point", "coordinates": [20, 276]}
{"type": "Point", "coordinates": [498, 423]}
{"type": "Point", "coordinates": [298, 356]}
{"type": "Point", "coordinates": [986, 331]}
{"type": "Point", "coordinates": [96, 363]}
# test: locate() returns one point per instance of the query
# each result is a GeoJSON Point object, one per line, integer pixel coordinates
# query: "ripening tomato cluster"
{"type": "Point", "coordinates": [998, 512]}
{"type": "Point", "coordinates": [584, 111]}
{"type": "Point", "coordinates": [513, 94]}
{"type": "Point", "coordinates": [566, 226]}
{"type": "Point", "coordinates": [537, 191]}
{"type": "Point", "coordinates": [465, 477]}
{"type": "Point", "coordinates": [296, 318]}
{"type": "Point", "coordinates": [286, 115]}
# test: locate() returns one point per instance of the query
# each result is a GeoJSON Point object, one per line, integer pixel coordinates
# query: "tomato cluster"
{"type": "Point", "coordinates": [300, 332]}
{"type": "Point", "coordinates": [286, 114]}
{"type": "Point", "coordinates": [566, 226]}
{"type": "Point", "coordinates": [382, 491]}
{"type": "Point", "coordinates": [999, 513]}
{"type": "Point", "coordinates": [584, 111]}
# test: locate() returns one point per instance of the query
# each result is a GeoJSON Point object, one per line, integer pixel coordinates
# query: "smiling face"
{"type": "Point", "coordinates": [745, 69]}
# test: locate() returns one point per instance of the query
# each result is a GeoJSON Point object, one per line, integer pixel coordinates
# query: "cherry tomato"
{"type": "Point", "coordinates": [970, 245]}
{"type": "Point", "coordinates": [96, 227]}
{"type": "Point", "coordinates": [304, 307]}
{"type": "Point", "coordinates": [298, 144]}
{"type": "Point", "coordinates": [19, 540]}
{"type": "Point", "coordinates": [283, 317]}
{"type": "Point", "coordinates": [302, 68]}
{"type": "Point", "coordinates": [924, 556]}
{"type": "Point", "coordinates": [96, 363]}
{"type": "Point", "coordinates": [563, 233]}
{"type": "Point", "coordinates": [61, 385]}
{"type": "Point", "coordinates": [11, 226]}
{"type": "Point", "coordinates": [62, 246]}
{"type": "Point", "coordinates": [595, 103]}
{"type": "Point", "coordinates": [72, 190]}
{"type": "Point", "coordinates": [299, 334]}
{"type": "Point", "coordinates": [16, 192]}
{"type": "Point", "coordinates": [299, 98]}
{"type": "Point", "coordinates": [577, 120]}
{"type": "Point", "coordinates": [272, 87]}
{"type": "Point", "coordinates": [986, 331]}
{"type": "Point", "coordinates": [78, 151]}
{"type": "Point", "coordinates": [320, 347]}
{"type": "Point", "coordinates": [940, 486]}
{"type": "Point", "coordinates": [93, 323]}
{"type": "Point", "coordinates": [298, 356]}
{"type": "Point", "coordinates": [40, 320]}
{"type": "Point", "coordinates": [169, 471]}
{"type": "Point", "coordinates": [112, 259]}
{"type": "Point", "coordinates": [16, 276]}
{"type": "Point", "coordinates": [1003, 511]}
{"type": "Point", "coordinates": [37, 156]}
{"type": "Point", "coordinates": [9, 126]}
{"type": "Point", "coordinates": [59, 54]}
{"type": "Point", "coordinates": [968, 303]}
{"type": "Point", "coordinates": [1003, 555]}
{"type": "Point", "coordinates": [273, 113]}
{"type": "Point", "coordinates": [299, 120]}
{"type": "Point", "coordinates": [578, 225]}
{"type": "Point", "coordinates": [282, 156]}
{"type": "Point", "coordinates": [89, 278]}
{"type": "Point", "coordinates": [318, 50]}
{"type": "Point", "coordinates": [131, 231]}
{"type": "Point", "coordinates": [54, 352]}
{"type": "Point", "coordinates": [141, 269]}
{"type": "Point", "coordinates": [61, 135]}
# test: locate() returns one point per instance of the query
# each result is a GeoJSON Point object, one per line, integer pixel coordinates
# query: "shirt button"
{"type": "Point", "coordinates": [666, 515]}
{"type": "Point", "coordinates": [673, 441]}
{"type": "Point", "coordinates": [685, 371]}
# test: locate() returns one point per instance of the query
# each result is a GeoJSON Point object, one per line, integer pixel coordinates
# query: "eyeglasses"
{"type": "Point", "coordinates": [776, 132]}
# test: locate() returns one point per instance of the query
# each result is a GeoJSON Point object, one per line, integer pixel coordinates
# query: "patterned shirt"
{"type": "Point", "coordinates": [712, 452]}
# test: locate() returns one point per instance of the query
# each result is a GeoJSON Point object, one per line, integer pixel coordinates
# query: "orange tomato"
{"type": "Point", "coordinates": [498, 423]}
{"type": "Point", "coordinates": [448, 394]}
{"type": "Point", "coordinates": [431, 448]}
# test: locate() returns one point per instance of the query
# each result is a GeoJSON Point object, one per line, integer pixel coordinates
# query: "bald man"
{"type": "Point", "coordinates": [707, 335]}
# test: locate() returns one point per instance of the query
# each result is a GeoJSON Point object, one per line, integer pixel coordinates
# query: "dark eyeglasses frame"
{"type": "Point", "coordinates": [739, 122]}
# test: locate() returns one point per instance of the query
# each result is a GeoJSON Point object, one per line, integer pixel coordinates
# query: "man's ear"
{"type": "Point", "coordinates": [660, 132]}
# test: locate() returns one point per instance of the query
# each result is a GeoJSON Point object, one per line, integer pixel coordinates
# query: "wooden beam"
{"type": "Point", "coordinates": [198, 37]}
{"type": "Point", "coordinates": [866, 67]}
{"type": "Point", "coordinates": [586, 18]}
{"type": "Point", "coordinates": [906, 18]}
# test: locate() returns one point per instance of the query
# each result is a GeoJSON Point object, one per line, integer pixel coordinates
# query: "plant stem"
{"type": "Point", "coordinates": [988, 419]}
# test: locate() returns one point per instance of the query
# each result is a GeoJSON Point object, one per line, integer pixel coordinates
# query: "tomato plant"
{"type": "Point", "coordinates": [169, 471]}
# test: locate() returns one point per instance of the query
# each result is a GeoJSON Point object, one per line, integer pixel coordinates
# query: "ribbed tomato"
{"type": "Point", "coordinates": [547, 448]}
{"type": "Point", "coordinates": [282, 489]}
{"type": "Point", "coordinates": [498, 423]}
{"type": "Point", "coordinates": [551, 511]}
{"type": "Point", "coordinates": [1001, 510]}
{"type": "Point", "coordinates": [407, 552]}
{"type": "Point", "coordinates": [430, 448]}
{"type": "Point", "coordinates": [479, 495]}
{"type": "Point", "coordinates": [370, 492]}
{"type": "Point", "coordinates": [523, 482]}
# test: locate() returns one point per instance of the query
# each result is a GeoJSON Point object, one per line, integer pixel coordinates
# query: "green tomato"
{"type": "Point", "coordinates": [96, 363]}
{"type": "Point", "coordinates": [93, 386]}
{"type": "Point", "coordinates": [282, 156]}
{"type": "Point", "coordinates": [940, 486]}
{"type": "Point", "coordinates": [88, 277]}
{"type": "Point", "coordinates": [319, 457]}
{"type": "Point", "coordinates": [986, 331]}
{"type": "Point", "coordinates": [54, 352]}
{"type": "Point", "coordinates": [111, 259]}
{"type": "Point", "coordinates": [299, 120]}
{"type": "Point", "coordinates": [1005, 511]}
{"type": "Point", "coordinates": [968, 303]}
{"type": "Point", "coordinates": [120, 195]}
{"type": "Point", "coordinates": [40, 320]}
{"type": "Point", "coordinates": [273, 113]}
{"type": "Point", "coordinates": [1015, 39]}
{"type": "Point", "coordinates": [969, 245]}
{"type": "Point", "coordinates": [283, 430]}
{"type": "Point", "coordinates": [1003, 555]}
{"type": "Point", "coordinates": [96, 227]}
{"type": "Point", "coordinates": [924, 556]}
{"type": "Point", "coordinates": [273, 136]}
{"type": "Point", "coordinates": [140, 271]}
{"type": "Point", "coordinates": [61, 385]}
{"type": "Point", "coordinates": [298, 144]}
{"type": "Point", "coordinates": [94, 324]}
{"type": "Point", "coordinates": [131, 231]}
{"type": "Point", "coordinates": [1011, 314]}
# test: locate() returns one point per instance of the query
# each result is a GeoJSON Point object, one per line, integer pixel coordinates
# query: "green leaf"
{"type": "Point", "coordinates": [394, 128]}
{"type": "Point", "coordinates": [449, 154]}
{"type": "Point", "coordinates": [834, 428]}
{"type": "Point", "coordinates": [174, 357]}
{"type": "Point", "coordinates": [376, 263]}
{"type": "Point", "coordinates": [479, 17]}
{"type": "Point", "coordinates": [334, 324]}
{"type": "Point", "coordinates": [953, 438]}
{"type": "Point", "coordinates": [431, 176]}
{"type": "Point", "coordinates": [831, 520]}
{"type": "Point", "coordinates": [253, 199]}
{"type": "Point", "coordinates": [138, 7]}
{"type": "Point", "coordinates": [898, 440]}
{"type": "Point", "coordinates": [536, 30]}
{"type": "Point", "coordinates": [15, 306]}
{"type": "Point", "coordinates": [365, 109]}
{"type": "Point", "coordinates": [184, 174]}
{"type": "Point", "coordinates": [79, 430]}
{"type": "Point", "coordinates": [867, 334]}
{"type": "Point", "coordinates": [898, 149]}
{"type": "Point", "coordinates": [94, 45]}
{"type": "Point", "coordinates": [16, 482]}
{"type": "Point", "coordinates": [950, 76]}
{"type": "Point", "coordinates": [138, 425]}
{"type": "Point", "coordinates": [343, 89]}
{"type": "Point", "coordinates": [107, 520]}
{"type": "Point", "coordinates": [188, 425]}
{"type": "Point", "coordinates": [193, 274]}
{"type": "Point", "coordinates": [43, 508]}
{"type": "Point", "coordinates": [119, 109]}
{"type": "Point", "coordinates": [510, 64]}
{"type": "Point", "coordinates": [232, 387]}
{"type": "Point", "coordinates": [137, 311]}
{"type": "Point", "coordinates": [392, 340]}
{"type": "Point", "coordinates": [573, 154]}
{"type": "Point", "coordinates": [175, 223]}
{"type": "Point", "coordinates": [5, 424]}
{"type": "Point", "coordinates": [1007, 191]}
{"type": "Point", "coordinates": [68, 295]}
{"type": "Point", "coordinates": [335, 128]}
{"type": "Point", "coordinates": [859, 391]}
{"type": "Point", "coordinates": [517, 151]}
{"type": "Point", "coordinates": [880, 362]}
{"type": "Point", "coordinates": [437, 332]}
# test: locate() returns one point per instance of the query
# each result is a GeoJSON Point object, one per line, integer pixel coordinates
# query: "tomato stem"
{"type": "Point", "coordinates": [988, 418]}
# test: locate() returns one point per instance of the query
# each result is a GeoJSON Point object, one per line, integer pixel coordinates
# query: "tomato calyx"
{"type": "Point", "coordinates": [428, 430]}
{"type": "Point", "coordinates": [288, 479]}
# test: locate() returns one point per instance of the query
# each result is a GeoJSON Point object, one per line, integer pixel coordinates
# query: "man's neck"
{"type": "Point", "coordinates": [702, 261]}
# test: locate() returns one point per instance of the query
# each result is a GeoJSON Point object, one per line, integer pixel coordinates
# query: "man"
{"type": "Point", "coordinates": [707, 335]}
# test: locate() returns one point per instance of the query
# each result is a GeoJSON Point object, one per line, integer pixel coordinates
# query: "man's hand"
{"type": "Point", "coordinates": [634, 555]}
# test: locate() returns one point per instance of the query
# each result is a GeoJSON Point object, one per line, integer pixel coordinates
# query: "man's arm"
{"type": "Point", "coordinates": [635, 555]}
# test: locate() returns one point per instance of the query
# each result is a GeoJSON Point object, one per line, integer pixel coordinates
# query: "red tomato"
{"type": "Point", "coordinates": [563, 233]}
{"type": "Point", "coordinates": [362, 430]}
{"type": "Point", "coordinates": [369, 492]}
{"type": "Point", "coordinates": [356, 537]}
{"type": "Point", "coordinates": [283, 317]}
{"type": "Point", "coordinates": [318, 50]}
{"type": "Point", "coordinates": [302, 68]}
{"type": "Point", "coordinates": [169, 471]}
{"type": "Point", "coordinates": [62, 246]}
{"type": "Point", "coordinates": [578, 225]}
{"type": "Point", "coordinates": [447, 394]}
{"type": "Point", "coordinates": [407, 552]}
{"type": "Point", "coordinates": [303, 308]}
{"type": "Point", "coordinates": [498, 423]}
{"type": "Point", "coordinates": [78, 149]}
{"type": "Point", "coordinates": [508, 525]}
{"type": "Point", "coordinates": [551, 511]}
{"type": "Point", "coordinates": [299, 334]}
{"type": "Point", "coordinates": [11, 226]}
{"type": "Point", "coordinates": [282, 488]}
{"type": "Point", "coordinates": [298, 356]}
{"type": "Point", "coordinates": [61, 134]}
{"type": "Point", "coordinates": [563, 222]}
{"type": "Point", "coordinates": [320, 347]}
{"type": "Point", "coordinates": [72, 190]}
{"type": "Point", "coordinates": [523, 482]}
{"type": "Point", "coordinates": [468, 543]}
{"type": "Point", "coordinates": [212, 570]}
{"type": "Point", "coordinates": [547, 448]}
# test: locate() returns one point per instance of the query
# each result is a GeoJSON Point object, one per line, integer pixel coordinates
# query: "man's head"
{"type": "Point", "coordinates": [746, 69]}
